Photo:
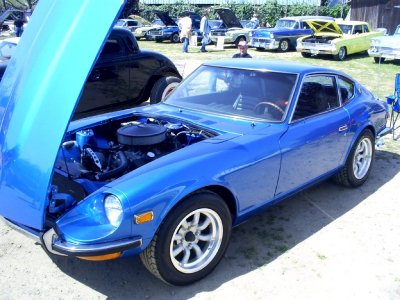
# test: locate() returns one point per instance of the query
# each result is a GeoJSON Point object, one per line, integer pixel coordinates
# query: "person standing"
{"type": "Point", "coordinates": [186, 31]}
{"type": "Point", "coordinates": [242, 51]}
{"type": "Point", "coordinates": [19, 26]}
{"type": "Point", "coordinates": [205, 30]}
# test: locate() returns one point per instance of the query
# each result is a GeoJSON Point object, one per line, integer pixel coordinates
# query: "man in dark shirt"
{"type": "Point", "coordinates": [242, 51]}
{"type": "Point", "coordinates": [19, 26]}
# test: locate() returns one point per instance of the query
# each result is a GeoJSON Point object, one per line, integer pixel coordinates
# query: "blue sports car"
{"type": "Point", "coordinates": [170, 180]}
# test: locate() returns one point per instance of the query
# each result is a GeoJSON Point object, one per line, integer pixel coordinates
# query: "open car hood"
{"type": "Point", "coordinates": [38, 94]}
{"type": "Point", "coordinates": [165, 18]}
{"type": "Point", "coordinates": [228, 17]}
{"type": "Point", "coordinates": [322, 26]}
{"type": "Point", "coordinates": [140, 19]}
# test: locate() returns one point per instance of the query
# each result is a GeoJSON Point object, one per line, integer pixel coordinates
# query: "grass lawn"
{"type": "Point", "coordinates": [377, 78]}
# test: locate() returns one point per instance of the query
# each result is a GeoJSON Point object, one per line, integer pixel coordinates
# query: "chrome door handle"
{"type": "Point", "coordinates": [343, 128]}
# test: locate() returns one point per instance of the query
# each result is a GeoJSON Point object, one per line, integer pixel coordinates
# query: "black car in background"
{"type": "Point", "coordinates": [124, 76]}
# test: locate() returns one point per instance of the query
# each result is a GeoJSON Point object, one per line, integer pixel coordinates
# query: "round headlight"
{"type": "Point", "coordinates": [113, 209]}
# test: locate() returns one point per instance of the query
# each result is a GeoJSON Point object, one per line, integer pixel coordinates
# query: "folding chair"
{"type": "Point", "coordinates": [394, 102]}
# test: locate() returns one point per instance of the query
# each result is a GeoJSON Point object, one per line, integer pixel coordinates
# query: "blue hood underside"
{"type": "Point", "coordinates": [38, 94]}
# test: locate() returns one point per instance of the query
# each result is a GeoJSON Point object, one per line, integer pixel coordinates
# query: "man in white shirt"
{"type": "Point", "coordinates": [205, 31]}
{"type": "Point", "coordinates": [185, 25]}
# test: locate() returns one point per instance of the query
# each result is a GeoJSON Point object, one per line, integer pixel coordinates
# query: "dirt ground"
{"type": "Point", "coordinates": [328, 242]}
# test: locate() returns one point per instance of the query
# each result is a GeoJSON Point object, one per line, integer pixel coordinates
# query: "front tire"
{"type": "Point", "coordinates": [342, 54]}
{"type": "Point", "coordinates": [191, 241]}
{"type": "Point", "coordinates": [162, 88]}
{"type": "Point", "coordinates": [359, 163]}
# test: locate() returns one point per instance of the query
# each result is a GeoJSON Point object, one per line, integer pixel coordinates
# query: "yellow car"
{"type": "Point", "coordinates": [336, 38]}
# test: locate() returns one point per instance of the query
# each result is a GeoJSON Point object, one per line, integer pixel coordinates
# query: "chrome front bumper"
{"type": "Point", "coordinates": [53, 244]}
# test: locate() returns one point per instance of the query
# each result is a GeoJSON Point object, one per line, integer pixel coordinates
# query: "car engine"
{"type": "Point", "coordinates": [107, 152]}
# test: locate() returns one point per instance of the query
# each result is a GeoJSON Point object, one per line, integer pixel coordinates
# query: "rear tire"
{"type": "Point", "coordinates": [162, 88]}
{"type": "Point", "coordinates": [175, 38]}
{"type": "Point", "coordinates": [359, 163]}
{"type": "Point", "coordinates": [306, 54]}
{"type": "Point", "coordinates": [191, 240]}
{"type": "Point", "coordinates": [284, 45]}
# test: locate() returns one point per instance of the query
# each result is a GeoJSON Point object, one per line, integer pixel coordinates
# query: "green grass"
{"type": "Point", "coordinates": [377, 78]}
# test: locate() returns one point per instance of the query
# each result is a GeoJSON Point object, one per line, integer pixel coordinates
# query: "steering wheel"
{"type": "Point", "coordinates": [267, 103]}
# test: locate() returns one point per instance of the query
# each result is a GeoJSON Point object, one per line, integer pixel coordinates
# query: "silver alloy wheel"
{"type": "Point", "coordinates": [284, 46]}
{"type": "Point", "coordinates": [196, 240]}
{"type": "Point", "coordinates": [362, 158]}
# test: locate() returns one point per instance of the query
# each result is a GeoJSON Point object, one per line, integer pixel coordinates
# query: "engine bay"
{"type": "Point", "coordinates": [91, 157]}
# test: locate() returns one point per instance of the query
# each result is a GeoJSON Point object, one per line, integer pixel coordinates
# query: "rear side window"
{"type": "Point", "coordinates": [358, 29]}
{"type": "Point", "coordinates": [318, 94]}
{"type": "Point", "coordinates": [346, 88]}
{"type": "Point", "coordinates": [112, 48]}
{"type": "Point", "coordinates": [365, 27]}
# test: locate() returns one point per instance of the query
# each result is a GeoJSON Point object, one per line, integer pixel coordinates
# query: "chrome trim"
{"type": "Point", "coordinates": [67, 248]}
{"type": "Point", "coordinates": [48, 239]}
{"type": "Point", "coordinates": [21, 230]}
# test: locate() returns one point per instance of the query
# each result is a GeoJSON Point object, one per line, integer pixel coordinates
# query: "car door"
{"type": "Point", "coordinates": [316, 139]}
{"type": "Point", "coordinates": [358, 40]}
{"type": "Point", "coordinates": [108, 84]}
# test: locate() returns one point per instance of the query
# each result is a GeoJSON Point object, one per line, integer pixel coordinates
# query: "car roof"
{"type": "Point", "coordinates": [302, 18]}
{"type": "Point", "coordinates": [270, 65]}
{"type": "Point", "coordinates": [351, 22]}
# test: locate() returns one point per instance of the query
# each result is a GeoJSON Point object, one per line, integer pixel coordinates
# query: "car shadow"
{"type": "Point", "coordinates": [255, 243]}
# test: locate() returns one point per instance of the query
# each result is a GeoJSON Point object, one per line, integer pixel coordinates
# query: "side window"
{"type": "Point", "coordinates": [318, 94]}
{"type": "Point", "coordinates": [346, 88]}
{"type": "Point", "coordinates": [111, 48]}
{"type": "Point", "coordinates": [296, 26]}
{"type": "Point", "coordinates": [365, 28]}
{"type": "Point", "coordinates": [358, 29]}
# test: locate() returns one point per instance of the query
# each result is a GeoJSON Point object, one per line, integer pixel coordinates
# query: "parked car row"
{"type": "Point", "coordinates": [309, 35]}
{"type": "Point", "coordinates": [325, 36]}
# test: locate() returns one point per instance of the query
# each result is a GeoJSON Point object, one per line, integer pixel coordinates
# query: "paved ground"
{"type": "Point", "coordinates": [327, 243]}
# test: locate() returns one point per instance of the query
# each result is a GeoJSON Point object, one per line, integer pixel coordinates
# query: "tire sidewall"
{"type": "Point", "coordinates": [196, 201]}
{"type": "Point", "coordinates": [283, 42]}
{"type": "Point", "coordinates": [162, 88]}
{"type": "Point", "coordinates": [353, 180]}
{"type": "Point", "coordinates": [342, 54]}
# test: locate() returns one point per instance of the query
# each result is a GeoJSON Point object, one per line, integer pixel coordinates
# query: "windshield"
{"type": "Point", "coordinates": [346, 29]}
{"type": "Point", "coordinates": [249, 24]}
{"type": "Point", "coordinates": [286, 24]}
{"type": "Point", "coordinates": [157, 22]}
{"type": "Point", "coordinates": [120, 23]}
{"type": "Point", "coordinates": [243, 93]}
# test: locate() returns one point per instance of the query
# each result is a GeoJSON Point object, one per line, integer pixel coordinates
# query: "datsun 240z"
{"type": "Point", "coordinates": [168, 180]}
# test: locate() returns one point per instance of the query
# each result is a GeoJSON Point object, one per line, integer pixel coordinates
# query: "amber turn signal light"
{"type": "Point", "coordinates": [144, 217]}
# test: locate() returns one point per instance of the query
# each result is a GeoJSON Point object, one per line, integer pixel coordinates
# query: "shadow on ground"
{"type": "Point", "coordinates": [253, 244]}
